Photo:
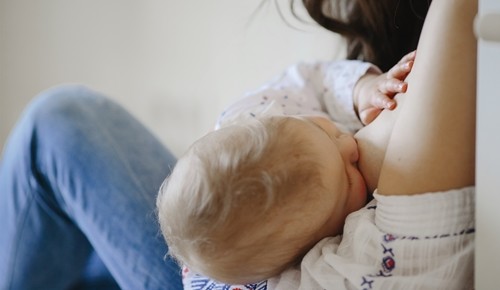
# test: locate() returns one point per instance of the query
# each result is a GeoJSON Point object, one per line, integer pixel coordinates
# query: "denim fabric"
{"type": "Point", "coordinates": [78, 182]}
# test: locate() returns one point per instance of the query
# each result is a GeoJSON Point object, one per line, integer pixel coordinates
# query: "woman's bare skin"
{"type": "Point", "coordinates": [427, 143]}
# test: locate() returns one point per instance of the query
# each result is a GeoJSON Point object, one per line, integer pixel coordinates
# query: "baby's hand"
{"type": "Point", "coordinates": [375, 92]}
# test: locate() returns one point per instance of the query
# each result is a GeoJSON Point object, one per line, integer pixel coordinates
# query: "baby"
{"type": "Point", "coordinates": [251, 198]}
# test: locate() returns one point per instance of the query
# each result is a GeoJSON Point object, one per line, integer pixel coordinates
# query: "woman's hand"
{"type": "Point", "coordinates": [375, 92]}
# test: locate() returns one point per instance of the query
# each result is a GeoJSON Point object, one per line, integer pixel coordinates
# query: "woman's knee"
{"type": "Point", "coordinates": [66, 104]}
{"type": "Point", "coordinates": [68, 118]}
{"type": "Point", "coordinates": [73, 112]}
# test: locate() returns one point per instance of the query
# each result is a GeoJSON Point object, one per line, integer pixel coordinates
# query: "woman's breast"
{"type": "Point", "coordinates": [372, 144]}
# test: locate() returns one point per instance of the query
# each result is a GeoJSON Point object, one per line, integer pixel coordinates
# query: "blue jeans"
{"type": "Point", "coordinates": [78, 183]}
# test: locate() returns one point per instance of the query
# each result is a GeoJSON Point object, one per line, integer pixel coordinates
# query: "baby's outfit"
{"type": "Point", "coordinates": [320, 89]}
{"type": "Point", "coordinates": [424, 241]}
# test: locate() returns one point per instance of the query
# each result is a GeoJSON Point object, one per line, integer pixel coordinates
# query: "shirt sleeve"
{"type": "Point", "coordinates": [423, 241]}
{"type": "Point", "coordinates": [321, 88]}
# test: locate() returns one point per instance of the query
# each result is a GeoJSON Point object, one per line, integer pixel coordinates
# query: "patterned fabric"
{"type": "Point", "coordinates": [193, 281]}
{"type": "Point", "coordinates": [424, 241]}
{"type": "Point", "coordinates": [323, 89]}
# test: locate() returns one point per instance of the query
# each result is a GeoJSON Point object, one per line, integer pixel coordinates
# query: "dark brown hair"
{"type": "Point", "coordinates": [377, 31]}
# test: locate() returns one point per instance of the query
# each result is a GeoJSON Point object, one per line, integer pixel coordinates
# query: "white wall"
{"type": "Point", "coordinates": [488, 157]}
{"type": "Point", "coordinates": [173, 64]}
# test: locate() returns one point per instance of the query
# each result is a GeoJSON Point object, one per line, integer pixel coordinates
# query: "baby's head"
{"type": "Point", "coordinates": [248, 200]}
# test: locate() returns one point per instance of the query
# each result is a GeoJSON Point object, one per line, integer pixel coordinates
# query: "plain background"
{"type": "Point", "coordinates": [174, 64]}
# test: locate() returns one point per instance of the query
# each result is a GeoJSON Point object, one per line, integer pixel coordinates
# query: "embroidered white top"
{"type": "Point", "coordinates": [424, 241]}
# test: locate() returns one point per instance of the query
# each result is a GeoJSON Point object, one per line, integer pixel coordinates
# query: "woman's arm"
{"type": "Point", "coordinates": [432, 146]}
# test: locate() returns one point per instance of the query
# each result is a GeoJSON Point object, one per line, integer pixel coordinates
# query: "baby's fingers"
{"type": "Point", "coordinates": [408, 57]}
{"type": "Point", "coordinates": [382, 101]}
{"type": "Point", "coordinates": [367, 116]}
{"type": "Point", "coordinates": [403, 67]}
{"type": "Point", "coordinates": [400, 70]}
{"type": "Point", "coordinates": [391, 87]}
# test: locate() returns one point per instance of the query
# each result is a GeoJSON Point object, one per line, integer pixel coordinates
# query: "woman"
{"type": "Point", "coordinates": [418, 233]}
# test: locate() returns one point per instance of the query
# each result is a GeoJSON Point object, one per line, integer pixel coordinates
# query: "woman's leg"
{"type": "Point", "coordinates": [432, 144]}
{"type": "Point", "coordinates": [80, 174]}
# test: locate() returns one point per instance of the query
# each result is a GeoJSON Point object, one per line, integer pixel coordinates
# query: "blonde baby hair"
{"type": "Point", "coordinates": [227, 210]}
